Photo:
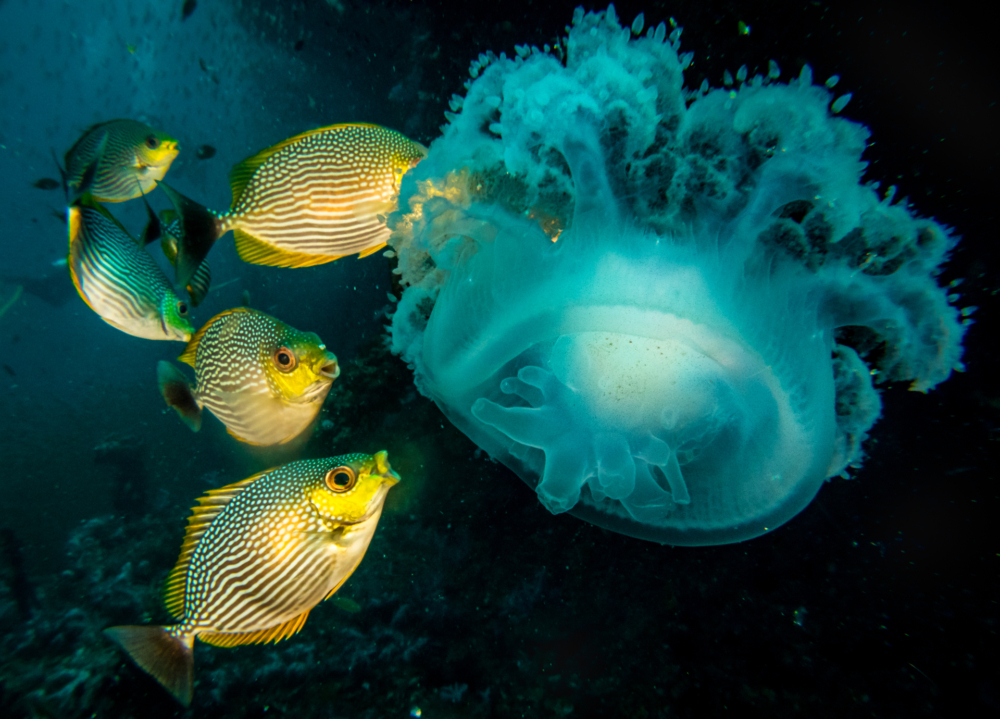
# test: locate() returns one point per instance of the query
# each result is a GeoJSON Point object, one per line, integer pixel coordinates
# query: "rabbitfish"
{"type": "Point", "coordinates": [258, 556]}
{"type": "Point", "coordinates": [265, 380]}
{"type": "Point", "coordinates": [118, 279]}
{"type": "Point", "coordinates": [119, 160]}
{"type": "Point", "coordinates": [313, 198]}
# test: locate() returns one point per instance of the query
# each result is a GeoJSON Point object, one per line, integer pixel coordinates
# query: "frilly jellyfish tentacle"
{"type": "Point", "coordinates": [595, 202]}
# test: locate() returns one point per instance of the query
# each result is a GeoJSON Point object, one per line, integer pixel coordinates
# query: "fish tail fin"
{"type": "Point", "coordinates": [200, 228]}
{"type": "Point", "coordinates": [168, 659]}
{"type": "Point", "coordinates": [178, 395]}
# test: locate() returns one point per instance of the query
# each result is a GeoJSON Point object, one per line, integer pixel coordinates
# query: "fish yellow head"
{"type": "Point", "coordinates": [298, 366]}
{"type": "Point", "coordinates": [154, 151]}
{"type": "Point", "coordinates": [353, 488]}
{"type": "Point", "coordinates": [406, 155]}
{"type": "Point", "coordinates": [174, 317]}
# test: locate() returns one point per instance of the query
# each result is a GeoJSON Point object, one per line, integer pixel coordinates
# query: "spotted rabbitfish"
{"type": "Point", "coordinates": [265, 380]}
{"type": "Point", "coordinates": [311, 199]}
{"type": "Point", "coordinates": [118, 279]}
{"type": "Point", "coordinates": [119, 160]}
{"type": "Point", "coordinates": [258, 555]}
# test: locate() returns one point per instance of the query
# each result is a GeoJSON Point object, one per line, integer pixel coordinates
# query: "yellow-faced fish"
{"type": "Point", "coordinates": [314, 198]}
{"type": "Point", "coordinates": [264, 380]}
{"type": "Point", "coordinates": [126, 159]}
{"type": "Point", "coordinates": [118, 279]}
{"type": "Point", "coordinates": [258, 555]}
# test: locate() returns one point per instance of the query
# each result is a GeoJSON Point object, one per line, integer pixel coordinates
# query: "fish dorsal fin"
{"type": "Point", "coordinates": [258, 252]}
{"type": "Point", "coordinates": [209, 507]}
{"type": "Point", "coordinates": [84, 136]}
{"type": "Point", "coordinates": [261, 636]}
{"type": "Point", "coordinates": [243, 172]}
{"type": "Point", "coordinates": [75, 223]}
{"type": "Point", "coordinates": [188, 356]}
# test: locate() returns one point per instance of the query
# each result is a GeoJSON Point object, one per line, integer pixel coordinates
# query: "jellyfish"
{"type": "Point", "coordinates": [665, 309]}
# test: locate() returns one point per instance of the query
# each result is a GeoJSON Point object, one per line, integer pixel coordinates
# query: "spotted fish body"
{"type": "Point", "coordinates": [258, 556]}
{"type": "Point", "coordinates": [265, 380]}
{"type": "Point", "coordinates": [130, 156]}
{"type": "Point", "coordinates": [311, 199]}
{"type": "Point", "coordinates": [118, 279]}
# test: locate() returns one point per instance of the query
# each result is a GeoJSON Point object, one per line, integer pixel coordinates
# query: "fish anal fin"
{"type": "Point", "coordinates": [262, 636]}
{"type": "Point", "coordinates": [371, 250]}
{"type": "Point", "coordinates": [202, 516]}
{"type": "Point", "coordinates": [244, 440]}
{"type": "Point", "coordinates": [167, 658]}
{"type": "Point", "coordinates": [258, 252]}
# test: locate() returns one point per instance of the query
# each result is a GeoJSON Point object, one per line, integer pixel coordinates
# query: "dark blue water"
{"type": "Point", "coordinates": [878, 600]}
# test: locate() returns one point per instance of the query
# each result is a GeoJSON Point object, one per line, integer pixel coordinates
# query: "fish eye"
{"type": "Point", "coordinates": [285, 360]}
{"type": "Point", "coordinates": [341, 479]}
{"type": "Point", "coordinates": [182, 308]}
{"type": "Point", "coordinates": [152, 142]}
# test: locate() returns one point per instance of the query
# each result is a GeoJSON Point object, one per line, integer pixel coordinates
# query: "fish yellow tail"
{"type": "Point", "coordinates": [177, 394]}
{"type": "Point", "coordinates": [200, 228]}
{"type": "Point", "coordinates": [168, 659]}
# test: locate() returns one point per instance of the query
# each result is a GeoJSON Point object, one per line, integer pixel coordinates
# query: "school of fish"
{"type": "Point", "coordinates": [292, 535]}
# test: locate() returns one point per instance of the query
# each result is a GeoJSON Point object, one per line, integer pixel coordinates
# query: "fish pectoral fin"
{"type": "Point", "coordinates": [262, 419]}
{"type": "Point", "coordinates": [261, 636]}
{"type": "Point", "coordinates": [244, 440]}
{"type": "Point", "coordinates": [178, 394]}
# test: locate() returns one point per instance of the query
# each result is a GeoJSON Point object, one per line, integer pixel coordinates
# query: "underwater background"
{"type": "Point", "coordinates": [879, 599]}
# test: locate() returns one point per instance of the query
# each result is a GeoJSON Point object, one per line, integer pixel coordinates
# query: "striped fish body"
{"type": "Point", "coordinates": [319, 196]}
{"type": "Point", "coordinates": [258, 555]}
{"type": "Point", "coordinates": [265, 380]}
{"type": "Point", "coordinates": [131, 157]}
{"type": "Point", "coordinates": [119, 280]}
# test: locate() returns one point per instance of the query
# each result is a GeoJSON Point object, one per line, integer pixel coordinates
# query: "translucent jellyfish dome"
{"type": "Point", "coordinates": [663, 308]}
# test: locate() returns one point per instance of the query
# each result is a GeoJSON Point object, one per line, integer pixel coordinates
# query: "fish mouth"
{"type": "Point", "coordinates": [330, 370]}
